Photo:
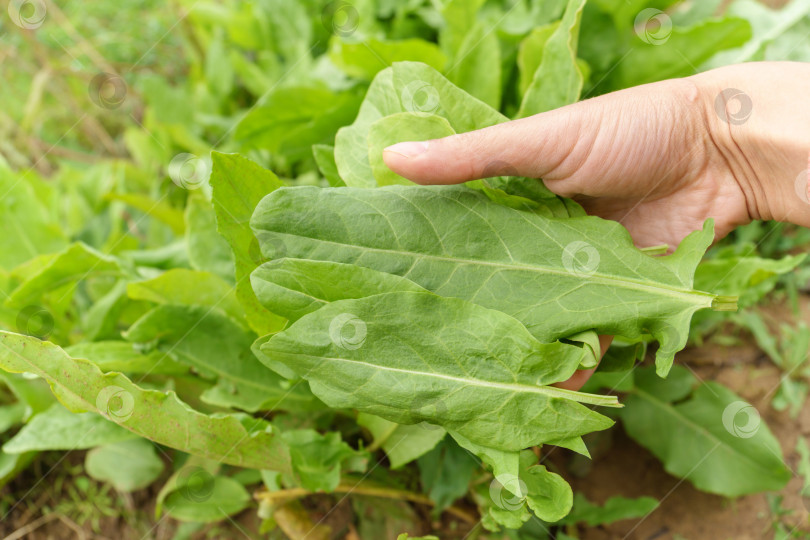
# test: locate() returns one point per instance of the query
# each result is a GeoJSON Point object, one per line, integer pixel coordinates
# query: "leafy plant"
{"type": "Point", "coordinates": [248, 338]}
{"type": "Point", "coordinates": [691, 443]}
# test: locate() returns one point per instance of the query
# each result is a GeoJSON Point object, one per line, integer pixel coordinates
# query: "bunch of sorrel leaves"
{"type": "Point", "coordinates": [336, 329]}
{"type": "Point", "coordinates": [460, 306]}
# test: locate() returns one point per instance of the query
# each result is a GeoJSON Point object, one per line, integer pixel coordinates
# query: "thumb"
{"type": "Point", "coordinates": [546, 145]}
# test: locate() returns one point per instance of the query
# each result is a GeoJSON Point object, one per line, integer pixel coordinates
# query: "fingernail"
{"type": "Point", "coordinates": [409, 149]}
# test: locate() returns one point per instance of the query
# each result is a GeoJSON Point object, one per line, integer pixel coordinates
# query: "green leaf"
{"type": "Point", "coordinates": [549, 496]}
{"type": "Point", "coordinates": [218, 70]}
{"type": "Point", "coordinates": [158, 416]}
{"type": "Point", "coordinates": [293, 119]}
{"type": "Point", "coordinates": [316, 458]}
{"type": "Point", "coordinates": [406, 87]}
{"type": "Point", "coordinates": [12, 465]}
{"type": "Point", "coordinates": [787, 45]}
{"type": "Point", "coordinates": [169, 256]}
{"type": "Point", "coordinates": [738, 271]}
{"type": "Point", "coordinates": [383, 518]}
{"type": "Point", "coordinates": [621, 357]}
{"type": "Point", "coordinates": [367, 58]}
{"type": "Point", "coordinates": [474, 50]}
{"type": "Point", "coordinates": [294, 287]}
{"type": "Point", "coordinates": [12, 415]}
{"type": "Point", "coordinates": [432, 359]}
{"type": "Point", "coordinates": [459, 16]}
{"type": "Point", "coordinates": [501, 463]}
{"type": "Point", "coordinates": [400, 127]}
{"type": "Point", "coordinates": [127, 465]}
{"type": "Point", "coordinates": [774, 32]}
{"type": "Point", "coordinates": [476, 67]}
{"type": "Point", "coordinates": [161, 210]}
{"type": "Point", "coordinates": [804, 464]}
{"type": "Point", "coordinates": [278, 367]}
{"type": "Point", "coordinates": [528, 194]}
{"type": "Point", "coordinates": [446, 472]}
{"type": "Point", "coordinates": [34, 392]}
{"type": "Point", "coordinates": [194, 480]}
{"type": "Point", "coordinates": [325, 158]}
{"type": "Point", "coordinates": [167, 103]}
{"type": "Point", "coordinates": [122, 356]}
{"type": "Point", "coordinates": [402, 443]}
{"type": "Point", "coordinates": [684, 49]}
{"type": "Point", "coordinates": [76, 263]}
{"type": "Point", "coordinates": [543, 492]}
{"type": "Point", "coordinates": [188, 287]}
{"type": "Point", "coordinates": [456, 242]}
{"type": "Point", "coordinates": [217, 347]}
{"type": "Point", "coordinates": [530, 54]}
{"type": "Point", "coordinates": [59, 429]}
{"type": "Point", "coordinates": [28, 228]}
{"type": "Point", "coordinates": [714, 439]}
{"type": "Point", "coordinates": [614, 509]}
{"type": "Point", "coordinates": [238, 186]}
{"type": "Point", "coordinates": [100, 321]}
{"type": "Point", "coordinates": [216, 498]}
{"type": "Point", "coordinates": [290, 31]}
{"type": "Point", "coordinates": [624, 12]}
{"type": "Point", "coordinates": [207, 251]}
{"type": "Point", "coordinates": [557, 80]}
{"type": "Point", "coordinates": [791, 396]}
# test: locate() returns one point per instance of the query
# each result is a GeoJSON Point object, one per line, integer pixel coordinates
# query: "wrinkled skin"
{"type": "Point", "coordinates": [731, 144]}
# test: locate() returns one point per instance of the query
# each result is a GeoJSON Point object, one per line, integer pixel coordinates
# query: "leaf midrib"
{"type": "Point", "coordinates": [593, 399]}
{"type": "Point", "coordinates": [606, 279]}
{"type": "Point", "coordinates": [673, 411]}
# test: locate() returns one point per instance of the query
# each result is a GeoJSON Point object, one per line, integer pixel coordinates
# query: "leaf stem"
{"type": "Point", "coordinates": [361, 487]}
{"type": "Point", "coordinates": [656, 250]}
{"type": "Point", "coordinates": [724, 303]}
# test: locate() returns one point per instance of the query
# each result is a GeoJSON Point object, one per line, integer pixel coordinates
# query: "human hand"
{"type": "Point", "coordinates": [731, 144]}
{"type": "Point", "coordinates": [659, 158]}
